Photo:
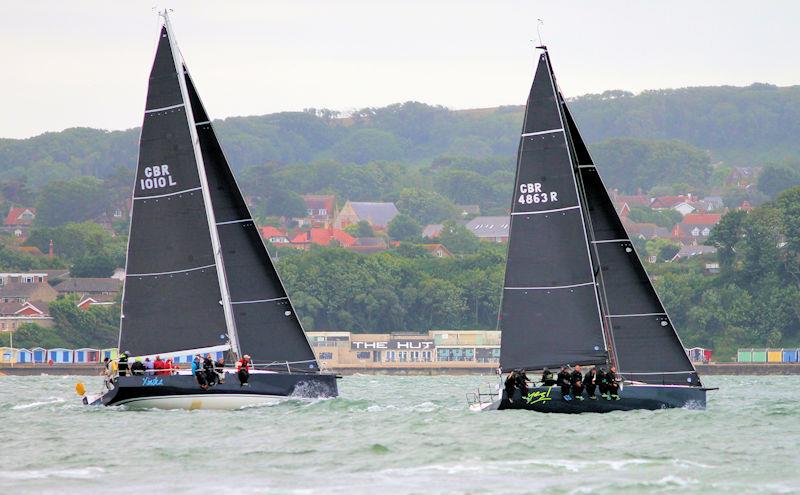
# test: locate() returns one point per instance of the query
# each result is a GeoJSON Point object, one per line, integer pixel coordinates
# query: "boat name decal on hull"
{"type": "Point", "coordinates": [539, 396]}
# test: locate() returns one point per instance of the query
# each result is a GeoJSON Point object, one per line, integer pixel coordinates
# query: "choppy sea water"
{"type": "Point", "coordinates": [389, 434]}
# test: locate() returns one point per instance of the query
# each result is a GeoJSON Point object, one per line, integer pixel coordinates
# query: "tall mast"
{"type": "Point", "coordinates": [212, 222]}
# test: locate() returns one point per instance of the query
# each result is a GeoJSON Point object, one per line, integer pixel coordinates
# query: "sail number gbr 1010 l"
{"type": "Point", "coordinates": [156, 178]}
{"type": "Point", "coordinates": [531, 193]}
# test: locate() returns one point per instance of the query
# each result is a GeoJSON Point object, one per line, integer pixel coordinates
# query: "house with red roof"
{"type": "Point", "coordinates": [695, 227]}
{"type": "Point", "coordinates": [274, 235]}
{"type": "Point", "coordinates": [437, 250]}
{"type": "Point", "coordinates": [14, 313]}
{"type": "Point", "coordinates": [19, 221]}
{"type": "Point", "coordinates": [320, 210]}
{"type": "Point", "coordinates": [322, 237]}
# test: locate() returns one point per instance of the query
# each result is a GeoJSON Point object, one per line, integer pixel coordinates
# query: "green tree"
{"type": "Point", "coordinates": [425, 206]}
{"type": "Point", "coordinates": [360, 229]}
{"type": "Point", "coordinates": [74, 200]}
{"type": "Point", "coordinates": [777, 178]}
{"type": "Point", "coordinates": [458, 239]}
{"type": "Point", "coordinates": [404, 228]}
{"type": "Point", "coordinates": [94, 265]}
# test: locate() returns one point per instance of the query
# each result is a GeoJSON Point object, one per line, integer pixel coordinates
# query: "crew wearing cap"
{"type": "Point", "coordinates": [243, 370]}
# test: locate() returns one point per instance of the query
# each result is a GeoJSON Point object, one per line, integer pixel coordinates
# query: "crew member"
{"type": "Point", "coordinates": [562, 380]}
{"type": "Point", "coordinates": [547, 378]}
{"type": "Point", "coordinates": [208, 369]}
{"type": "Point", "coordinates": [522, 383]}
{"type": "Point", "coordinates": [123, 364]}
{"type": "Point", "coordinates": [612, 383]}
{"type": "Point", "coordinates": [159, 365]}
{"type": "Point", "coordinates": [576, 381]}
{"type": "Point", "coordinates": [511, 385]}
{"type": "Point", "coordinates": [243, 370]}
{"type": "Point", "coordinates": [138, 368]}
{"type": "Point", "coordinates": [590, 382]}
{"type": "Point", "coordinates": [197, 371]}
{"type": "Point", "coordinates": [601, 382]}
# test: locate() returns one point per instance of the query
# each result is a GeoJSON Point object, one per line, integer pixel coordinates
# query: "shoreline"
{"type": "Point", "coordinates": [702, 369]}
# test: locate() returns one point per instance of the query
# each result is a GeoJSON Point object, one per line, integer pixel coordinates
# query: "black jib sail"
{"type": "Point", "coordinates": [550, 312]}
{"type": "Point", "coordinates": [266, 324]}
{"type": "Point", "coordinates": [644, 343]}
{"type": "Point", "coordinates": [199, 276]}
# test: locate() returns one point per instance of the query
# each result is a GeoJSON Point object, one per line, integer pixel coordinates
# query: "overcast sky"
{"type": "Point", "coordinates": [86, 63]}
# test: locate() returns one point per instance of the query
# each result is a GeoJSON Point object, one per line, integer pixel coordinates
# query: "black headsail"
{"type": "Point", "coordinates": [550, 310]}
{"type": "Point", "coordinates": [172, 296]}
{"type": "Point", "coordinates": [267, 326]}
{"type": "Point", "coordinates": [644, 343]}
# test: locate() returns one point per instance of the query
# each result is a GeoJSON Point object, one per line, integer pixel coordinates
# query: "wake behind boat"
{"type": "Point", "coordinates": [575, 290]}
{"type": "Point", "coordinates": [198, 276]}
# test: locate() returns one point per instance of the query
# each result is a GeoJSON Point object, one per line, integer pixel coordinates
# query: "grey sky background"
{"type": "Point", "coordinates": [86, 62]}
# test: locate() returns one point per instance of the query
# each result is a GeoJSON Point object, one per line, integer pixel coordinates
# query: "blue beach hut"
{"type": "Point", "coordinates": [790, 355]}
{"type": "Point", "coordinates": [24, 356]}
{"type": "Point", "coordinates": [60, 355]}
{"type": "Point", "coordinates": [39, 355]}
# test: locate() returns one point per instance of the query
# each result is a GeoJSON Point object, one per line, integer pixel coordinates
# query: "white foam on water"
{"type": "Point", "coordinates": [89, 472]}
{"type": "Point", "coordinates": [54, 400]}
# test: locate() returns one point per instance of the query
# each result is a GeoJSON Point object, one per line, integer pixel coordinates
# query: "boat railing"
{"type": "Point", "coordinates": [483, 396]}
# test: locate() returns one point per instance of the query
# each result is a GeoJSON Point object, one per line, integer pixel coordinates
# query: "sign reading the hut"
{"type": "Point", "coordinates": [531, 193]}
{"type": "Point", "coordinates": [392, 344]}
{"type": "Point", "coordinates": [156, 177]}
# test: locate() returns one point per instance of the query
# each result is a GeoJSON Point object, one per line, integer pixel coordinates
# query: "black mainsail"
{"type": "Point", "coordinates": [199, 278]}
{"type": "Point", "coordinates": [550, 310]}
{"type": "Point", "coordinates": [574, 284]}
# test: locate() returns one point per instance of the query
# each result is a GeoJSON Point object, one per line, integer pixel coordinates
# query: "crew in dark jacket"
{"type": "Point", "coordinates": [590, 382]}
{"type": "Point", "coordinates": [612, 384]}
{"type": "Point", "coordinates": [208, 369]}
{"type": "Point", "coordinates": [122, 367]}
{"type": "Point", "coordinates": [562, 380]}
{"type": "Point", "coordinates": [576, 380]}
{"type": "Point", "coordinates": [600, 380]}
{"type": "Point", "coordinates": [522, 383]}
{"type": "Point", "coordinates": [547, 378]}
{"type": "Point", "coordinates": [510, 385]}
{"type": "Point", "coordinates": [137, 368]}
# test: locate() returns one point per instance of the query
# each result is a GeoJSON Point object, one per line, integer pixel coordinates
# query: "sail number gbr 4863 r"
{"type": "Point", "coordinates": [531, 193]}
{"type": "Point", "coordinates": [156, 177]}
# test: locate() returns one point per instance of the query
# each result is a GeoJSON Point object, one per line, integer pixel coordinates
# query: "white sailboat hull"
{"type": "Point", "coordinates": [202, 401]}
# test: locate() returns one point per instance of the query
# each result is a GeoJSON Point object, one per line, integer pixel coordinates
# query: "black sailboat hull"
{"type": "Point", "coordinates": [183, 391]}
{"type": "Point", "coordinates": [631, 397]}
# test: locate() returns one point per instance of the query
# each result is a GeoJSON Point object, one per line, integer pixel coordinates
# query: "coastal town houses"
{"type": "Point", "coordinates": [320, 210]}
{"type": "Point", "coordinates": [695, 228]}
{"type": "Point", "coordinates": [19, 220]}
{"type": "Point", "coordinates": [83, 287]}
{"type": "Point", "coordinates": [87, 302]}
{"type": "Point", "coordinates": [690, 251]}
{"type": "Point", "coordinates": [437, 250]}
{"type": "Point", "coordinates": [274, 235]}
{"type": "Point", "coordinates": [490, 229]}
{"type": "Point", "coordinates": [645, 231]}
{"type": "Point", "coordinates": [377, 215]}
{"type": "Point", "coordinates": [329, 236]}
{"type": "Point", "coordinates": [14, 314]}
{"type": "Point", "coordinates": [24, 287]}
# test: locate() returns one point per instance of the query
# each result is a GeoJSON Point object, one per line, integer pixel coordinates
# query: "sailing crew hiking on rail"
{"type": "Point", "coordinates": [572, 384]}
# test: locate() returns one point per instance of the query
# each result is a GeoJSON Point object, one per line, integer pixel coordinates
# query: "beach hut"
{"type": "Point", "coordinates": [775, 355]}
{"type": "Point", "coordinates": [39, 355]}
{"type": "Point", "coordinates": [7, 355]}
{"type": "Point", "coordinates": [745, 356]}
{"type": "Point", "coordinates": [59, 355]}
{"type": "Point", "coordinates": [790, 355]}
{"type": "Point", "coordinates": [110, 353]}
{"type": "Point", "coordinates": [759, 356]}
{"type": "Point", "coordinates": [24, 356]}
{"type": "Point", "coordinates": [87, 355]}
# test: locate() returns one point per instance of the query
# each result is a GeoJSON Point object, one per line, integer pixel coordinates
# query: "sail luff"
{"type": "Point", "coordinates": [212, 224]}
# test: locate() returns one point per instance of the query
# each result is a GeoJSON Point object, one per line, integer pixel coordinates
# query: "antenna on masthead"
{"type": "Point", "coordinates": [539, 34]}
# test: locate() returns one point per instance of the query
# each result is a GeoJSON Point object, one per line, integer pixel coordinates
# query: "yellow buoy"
{"type": "Point", "coordinates": [80, 389]}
